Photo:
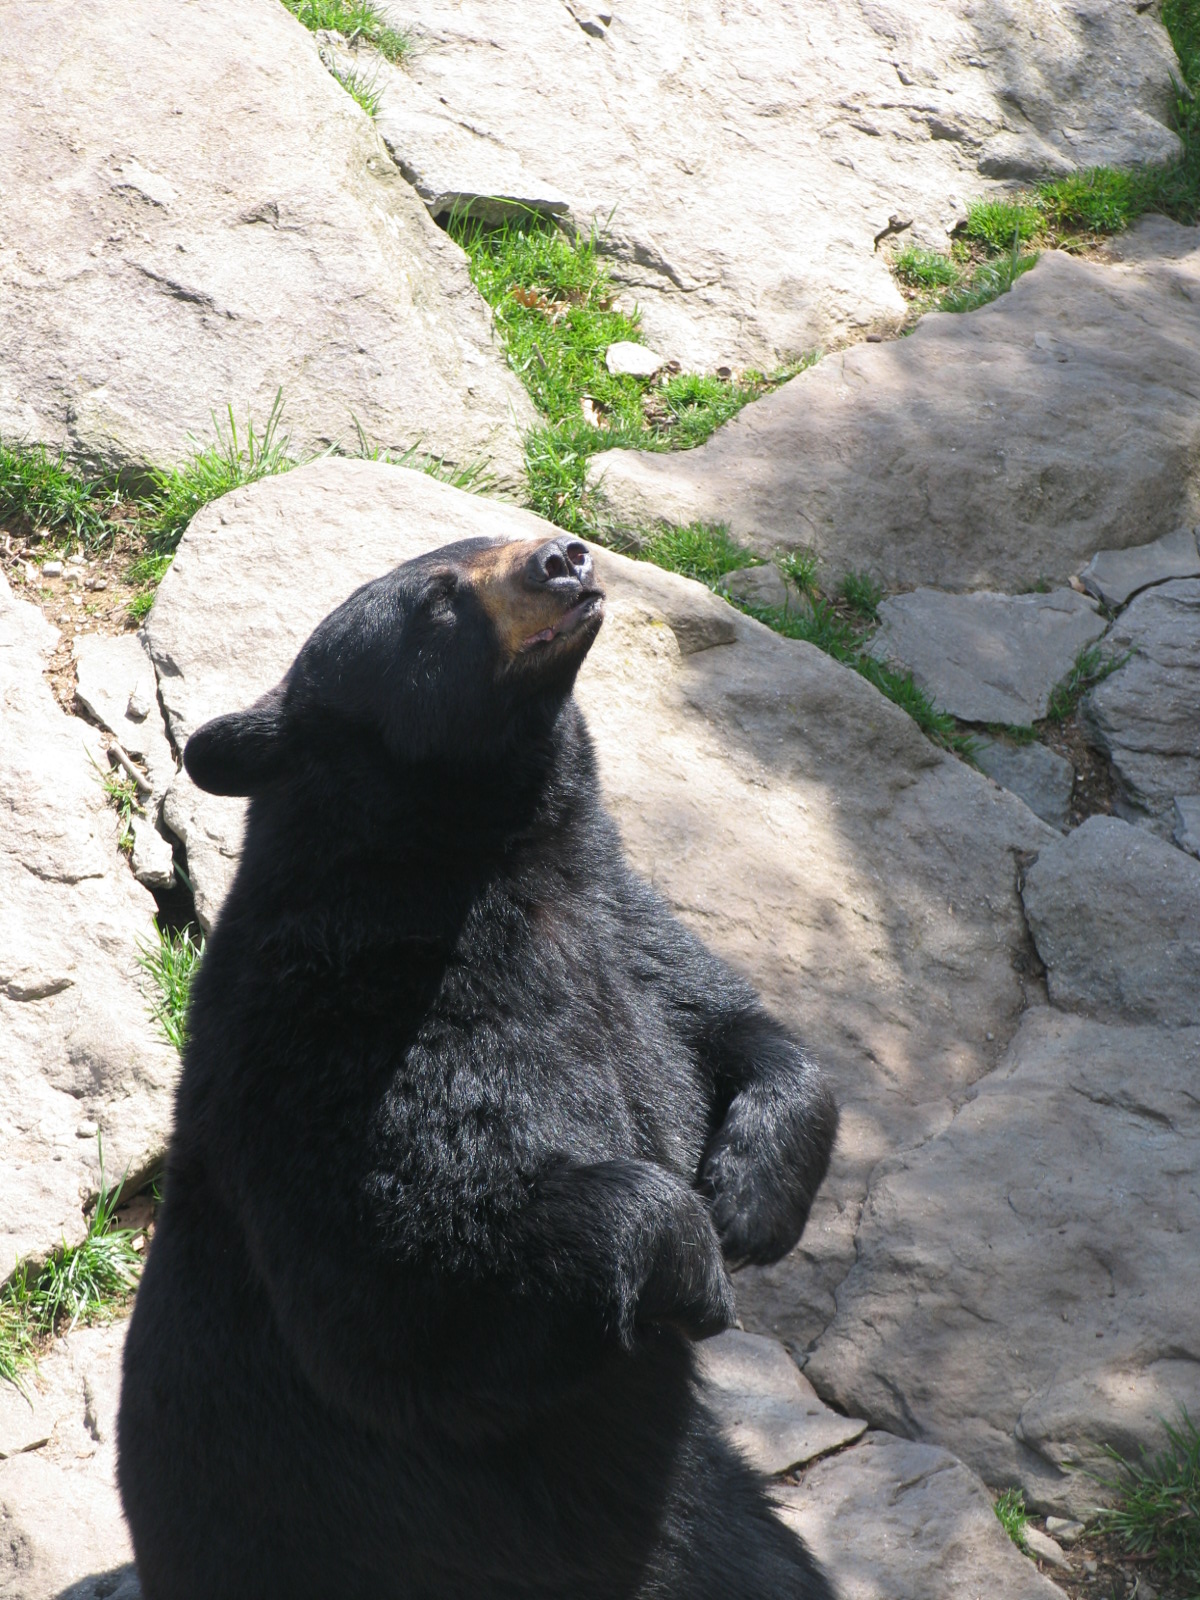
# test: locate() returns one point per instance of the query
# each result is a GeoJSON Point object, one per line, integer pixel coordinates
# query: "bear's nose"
{"type": "Point", "coordinates": [562, 563]}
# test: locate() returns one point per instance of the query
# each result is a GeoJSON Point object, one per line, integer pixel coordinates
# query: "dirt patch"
{"type": "Point", "coordinates": [1101, 1570]}
{"type": "Point", "coordinates": [1095, 789]}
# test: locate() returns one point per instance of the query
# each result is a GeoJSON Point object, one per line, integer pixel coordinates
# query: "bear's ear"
{"type": "Point", "coordinates": [242, 752]}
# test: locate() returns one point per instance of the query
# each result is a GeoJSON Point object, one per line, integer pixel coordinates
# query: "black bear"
{"type": "Point", "coordinates": [469, 1132]}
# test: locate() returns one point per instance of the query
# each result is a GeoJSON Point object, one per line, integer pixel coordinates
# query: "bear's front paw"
{"type": "Point", "coordinates": [757, 1213]}
{"type": "Point", "coordinates": [688, 1284]}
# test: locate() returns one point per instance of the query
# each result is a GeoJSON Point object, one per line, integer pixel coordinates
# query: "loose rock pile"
{"type": "Point", "coordinates": [996, 1283]}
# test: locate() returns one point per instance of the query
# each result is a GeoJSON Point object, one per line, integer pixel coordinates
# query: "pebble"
{"type": "Point", "coordinates": [87, 1130]}
{"type": "Point", "coordinates": [626, 359]}
{"type": "Point", "coordinates": [52, 569]}
{"type": "Point", "coordinates": [1064, 1529]}
{"type": "Point", "coordinates": [1046, 1548]}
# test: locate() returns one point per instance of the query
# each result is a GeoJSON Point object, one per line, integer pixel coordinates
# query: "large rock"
{"type": "Point", "coordinates": [791, 814]}
{"type": "Point", "coordinates": [972, 454]}
{"type": "Point", "coordinates": [62, 1531]}
{"type": "Point", "coordinates": [1115, 915]}
{"type": "Point", "coordinates": [197, 215]}
{"type": "Point", "coordinates": [988, 657]}
{"type": "Point", "coordinates": [1146, 716]}
{"type": "Point", "coordinates": [739, 164]}
{"type": "Point", "coordinates": [1042, 778]}
{"type": "Point", "coordinates": [78, 1052]}
{"type": "Point", "coordinates": [1025, 1286]}
{"type": "Point", "coordinates": [1115, 575]}
{"type": "Point", "coordinates": [893, 1520]}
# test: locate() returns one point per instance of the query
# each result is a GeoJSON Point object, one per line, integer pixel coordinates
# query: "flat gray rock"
{"type": "Point", "coordinates": [1041, 777]}
{"type": "Point", "coordinates": [763, 586]}
{"type": "Point", "coordinates": [987, 657]}
{"type": "Point", "coordinates": [768, 1409]}
{"type": "Point", "coordinates": [78, 1050]}
{"type": "Point", "coordinates": [737, 167]}
{"type": "Point", "coordinates": [1187, 823]}
{"type": "Point", "coordinates": [1146, 716]}
{"type": "Point", "coordinates": [1114, 575]}
{"type": "Point", "coordinates": [1025, 1284]}
{"type": "Point", "coordinates": [233, 227]}
{"type": "Point", "coordinates": [971, 455]}
{"type": "Point", "coordinates": [115, 683]}
{"type": "Point", "coordinates": [63, 1529]}
{"type": "Point", "coordinates": [894, 1520]}
{"type": "Point", "coordinates": [789, 813]}
{"type": "Point", "coordinates": [1115, 916]}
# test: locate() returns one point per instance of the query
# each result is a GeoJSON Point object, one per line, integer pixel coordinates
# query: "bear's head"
{"type": "Point", "coordinates": [458, 658]}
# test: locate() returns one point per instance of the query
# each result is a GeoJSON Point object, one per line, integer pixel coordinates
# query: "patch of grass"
{"type": "Point", "coordinates": [800, 566]}
{"type": "Point", "coordinates": [1015, 732]}
{"type": "Point", "coordinates": [474, 476]}
{"type": "Point", "coordinates": [701, 550]}
{"type": "Point", "coordinates": [213, 470]}
{"type": "Point", "coordinates": [990, 280]}
{"type": "Point", "coordinates": [361, 86]}
{"type": "Point", "coordinates": [172, 964]}
{"type": "Point", "coordinates": [1010, 1509]}
{"type": "Point", "coordinates": [553, 304]}
{"type": "Point", "coordinates": [40, 493]}
{"type": "Point", "coordinates": [121, 792]}
{"type": "Point", "coordinates": [862, 594]}
{"type": "Point", "coordinates": [1158, 1512]}
{"type": "Point", "coordinates": [993, 223]}
{"type": "Point", "coordinates": [82, 1282]}
{"type": "Point", "coordinates": [354, 19]}
{"type": "Point", "coordinates": [925, 269]}
{"type": "Point", "coordinates": [1091, 667]}
{"type": "Point", "coordinates": [1099, 200]}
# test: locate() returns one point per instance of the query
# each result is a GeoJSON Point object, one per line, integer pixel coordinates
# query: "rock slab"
{"type": "Point", "coordinates": [971, 455]}
{"type": "Point", "coordinates": [737, 166]}
{"type": "Point", "coordinates": [1146, 715]}
{"type": "Point", "coordinates": [1115, 575]}
{"type": "Point", "coordinates": [1115, 916]}
{"type": "Point", "coordinates": [894, 1520]}
{"type": "Point", "coordinates": [78, 1051]}
{"type": "Point", "coordinates": [197, 216]}
{"type": "Point", "coordinates": [987, 657]}
{"type": "Point", "coordinates": [768, 1409]}
{"type": "Point", "coordinates": [1042, 778]}
{"type": "Point", "coordinates": [790, 814]}
{"type": "Point", "coordinates": [1025, 1282]}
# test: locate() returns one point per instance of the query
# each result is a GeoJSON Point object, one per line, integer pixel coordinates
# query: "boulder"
{"type": "Point", "coordinates": [1025, 1284]}
{"type": "Point", "coordinates": [763, 586]}
{"type": "Point", "coordinates": [1146, 715]}
{"type": "Point", "coordinates": [768, 1409]}
{"type": "Point", "coordinates": [972, 454]}
{"type": "Point", "coordinates": [79, 1054]}
{"type": "Point", "coordinates": [1114, 575]}
{"type": "Point", "coordinates": [62, 1532]}
{"type": "Point", "coordinates": [793, 816]}
{"type": "Point", "coordinates": [894, 1520]}
{"type": "Point", "coordinates": [197, 216]}
{"type": "Point", "coordinates": [739, 167]}
{"type": "Point", "coordinates": [1043, 779]}
{"type": "Point", "coordinates": [987, 657]}
{"type": "Point", "coordinates": [1115, 916]}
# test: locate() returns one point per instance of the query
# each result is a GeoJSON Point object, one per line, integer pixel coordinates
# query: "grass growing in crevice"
{"type": "Point", "coordinates": [82, 1282]}
{"type": "Point", "coordinates": [41, 492]}
{"type": "Point", "coordinates": [121, 792]}
{"type": "Point", "coordinates": [1091, 667]}
{"type": "Point", "coordinates": [355, 20]}
{"type": "Point", "coordinates": [1157, 1515]}
{"type": "Point", "coordinates": [989, 280]}
{"type": "Point", "coordinates": [474, 476]}
{"type": "Point", "coordinates": [700, 550]}
{"type": "Point", "coordinates": [171, 964]}
{"type": "Point", "coordinates": [554, 307]}
{"type": "Point", "coordinates": [362, 87]}
{"type": "Point", "coordinates": [1012, 1516]}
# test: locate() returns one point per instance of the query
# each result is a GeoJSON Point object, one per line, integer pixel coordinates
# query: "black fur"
{"type": "Point", "coordinates": [466, 1121]}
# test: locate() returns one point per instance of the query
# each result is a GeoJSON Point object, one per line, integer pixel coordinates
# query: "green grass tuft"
{"type": "Point", "coordinates": [993, 223]}
{"type": "Point", "coordinates": [213, 470]}
{"type": "Point", "coordinates": [1091, 667]}
{"type": "Point", "coordinates": [172, 964]}
{"type": "Point", "coordinates": [1010, 1509]}
{"type": "Point", "coordinates": [78, 1283]}
{"type": "Point", "coordinates": [121, 792]}
{"type": "Point", "coordinates": [990, 280]}
{"type": "Point", "coordinates": [862, 594]}
{"type": "Point", "coordinates": [800, 567]}
{"type": "Point", "coordinates": [361, 86]}
{"type": "Point", "coordinates": [354, 19]}
{"type": "Point", "coordinates": [701, 550]}
{"type": "Point", "coordinates": [1158, 1511]}
{"type": "Point", "coordinates": [925, 269]}
{"type": "Point", "coordinates": [40, 493]}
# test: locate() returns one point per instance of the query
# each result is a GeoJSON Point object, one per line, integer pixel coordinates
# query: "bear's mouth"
{"type": "Point", "coordinates": [588, 610]}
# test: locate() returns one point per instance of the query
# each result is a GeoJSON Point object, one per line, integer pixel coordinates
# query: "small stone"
{"type": "Point", "coordinates": [1187, 823]}
{"type": "Point", "coordinates": [152, 859]}
{"type": "Point", "coordinates": [1041, 778]}
{"type": "Point", "coordinates": [1090, 1568]}
{"type": "Point", "coordinates": [96, 584]}
{"type": "Point", "coordinates": [76, 599]}
{"type": "Point", "coordinates": [1114, 575]}
{"type": "Point", "coordinates": [52, 569]}
{"type": "Point", "coordinates": [763, 586]}
{"type": "Point", "coordinates": [1065, 1529]}
{"type": "Point", "coordinates": [1045, 1548]}
{"type": "Point", "coordinates": [139, 705]}
{"type": "Point", "coordinates": [87, 1130]}
{"type": "Point", "coordinates": [626, 359]}
{"type": "Point", "coordinates": [30, 571]}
